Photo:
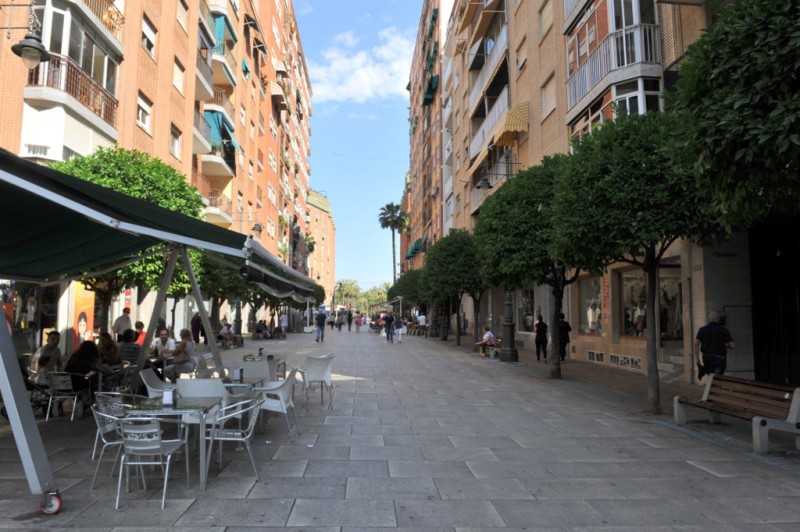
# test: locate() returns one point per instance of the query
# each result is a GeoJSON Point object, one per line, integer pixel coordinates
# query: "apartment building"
{"type": "Point", "coordinates": [218, 89]}
{"type": "Point", "coordinates": [322, 242]}
{"type": "Point", "coordinates": [520, 80]}
{"type": "Point", "coordinates": [425, 117]}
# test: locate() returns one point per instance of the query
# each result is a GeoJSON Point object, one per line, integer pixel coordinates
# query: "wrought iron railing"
{"type": "Point", "coordinates": [64, 74]}
{"type": "Point", "coordinates": [107, 12]}
{"type": "Point", "coordinates": [204, 68]}
{"type": "Point", "coordinates": [202, 126]}
{"type": "Point", "coordinates": [221, 98]}
{"type": "Point", "coordinates": [494, 56]}
{"type": "Point", "coordinates": [219, 201]}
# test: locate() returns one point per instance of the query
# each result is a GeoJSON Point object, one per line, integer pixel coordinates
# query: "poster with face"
{"type": "Point", "coordinates": [84, 315]}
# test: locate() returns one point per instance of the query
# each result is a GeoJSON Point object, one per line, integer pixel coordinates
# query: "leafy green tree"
{"type": "Point", "coordinates": [374, 296]}
{"type": "Point", "coordinates": [408, 287]}
{"type": "Point", "coordinates": [515, 232]}
{"type": "Point", "coordinates": [739, 101]}
{"type": "Point", "coordinates": [453, 269]}
{"type": "Point", "coordinates": [627, 196]}
{"type": "Point", "coordinates": [393, 218]}
{"type": "Point", "coordinates": [145, 177]}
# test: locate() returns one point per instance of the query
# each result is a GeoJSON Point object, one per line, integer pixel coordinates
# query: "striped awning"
{"type": "Point", "coordinates": [516, 120]}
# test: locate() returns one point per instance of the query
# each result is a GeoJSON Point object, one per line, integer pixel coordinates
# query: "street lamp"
{"type": "Point", "coordinates": [30, 49]}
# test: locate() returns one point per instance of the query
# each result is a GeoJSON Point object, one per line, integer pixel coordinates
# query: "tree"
{"type": "Point", "coordinates": [348, 292]}
{"type": "Point", "coordinates": [408, 287]}
{"type": "Point", "coordinates": [515, 233]}
{"type": "Point", "coordinates": [453, 269]}
{"type": "Point", "coordinates": [627, 196]}
{"type": "Point", "coordinates": [393, 218]}
{"type": "Point", "coordinates": [145, 177]}
{"type": "Point", "coordinates": [739, 100]}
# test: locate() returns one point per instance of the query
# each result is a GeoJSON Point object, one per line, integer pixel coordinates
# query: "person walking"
{"type": "Point", "coordinates": [320, 322]}
{"type": "Point", "coordinates": [121, 324]}
{"type": "Point", "coordinates": [197, 325]}
{"type": "Point", "coordinates": [713, 341]}
{"type": "Point", "coordinates": [349, 320]}
{"type": "Point", "coordinates": [563, 336]}
{"type": "Point", "coordinates": [540, 329]}
{"type": "Point", "coordinates": [283, 319]}
{"type": "Point", "coordinates": [340, 318]}
{"type": "Point", "coordinates": [398, 329]}
{"type": "Point", "coordinates": [359, 322]}
{"type": "Point", "coordinates": [388, 325]}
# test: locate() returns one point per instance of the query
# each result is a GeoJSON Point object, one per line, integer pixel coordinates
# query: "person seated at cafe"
{"type": "Point", "coordinates": [140, 333]}
{"type": "Point", "coordinates": [184, 357]}
{"type": "Point", "coordinates": [85, 365]}
{"type": "Point", "coordinates": [127, 347]}
{"type": "Point", "coordinates": [161, 348]}
{"type": "Point", "coordinates": [47, 358]}
{"type": "Point", "coordinates": [225, 335]}
{"type": "Point", "coordinates": [109, 352]}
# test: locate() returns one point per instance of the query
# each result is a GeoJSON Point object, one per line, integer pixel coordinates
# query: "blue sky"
{"type": "Point", "coordinates": [359, 57]}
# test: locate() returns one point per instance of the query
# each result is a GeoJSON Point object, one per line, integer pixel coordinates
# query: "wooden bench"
{"type": "Point", "coordinates": [767, 406]}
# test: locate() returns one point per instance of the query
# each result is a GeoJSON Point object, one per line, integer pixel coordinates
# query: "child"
{"type": "Point", "coordinates": [488, 341]}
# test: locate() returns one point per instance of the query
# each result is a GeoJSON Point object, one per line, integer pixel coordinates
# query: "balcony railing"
{"type": "Point", "coordinates": [62, 73]}
{"type": "Point", "coordinates": [205, 14]}
{"type": "Point", "coordinates": [495, 55]}
{"type": "Point", "coordinates": [202, 126]}
{"type": "Point", "coordinates": [623, 48]}
{"type": "Point", "coordinates": [218, 201]}
{"type": "Point", "coordinates": [219, 5]}
{"type": "Point", "coordinates": [221, 98]}
{"type": "Point", "coordinates": [225, 51]}
{"type": "Point", "coordinates": [107, 12]}
{"type": "Point", "coordinates": [492, 118]}
{"type": "Point", "coordinates": [204, 69]}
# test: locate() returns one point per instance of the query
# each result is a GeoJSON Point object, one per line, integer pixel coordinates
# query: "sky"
{"type": "Point", "coordinates": [359, 54]}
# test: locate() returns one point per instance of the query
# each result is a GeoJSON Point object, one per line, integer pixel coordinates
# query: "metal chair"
{"type": "Point", "coordinates": [114, 404]}
{"type": "Point", "coordinates": [278, 398]}
{"type": "Point", "coordinates": [61, 389]}
{"type": "Point", "coordinates": [108, 434]}
{"type": "Point", "coordinates": [220, 433]}
{"type": "Point", "coordinates": [318, 370]}
{"type": "Point", "coordinates": [144, 444]}
{"type": "Point", "coordinates": [155, 386]}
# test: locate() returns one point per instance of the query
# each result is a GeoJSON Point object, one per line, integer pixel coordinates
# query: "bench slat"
{"type": "Point", "coordinates": [750, 397]}
{"type": "Point", "coordinates": [746, 406]}
{"type": "Point", "coordinates": [778, 395]}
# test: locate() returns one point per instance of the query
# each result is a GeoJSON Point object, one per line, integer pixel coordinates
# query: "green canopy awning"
{"type": "Point", "coordinates": [53, 224]}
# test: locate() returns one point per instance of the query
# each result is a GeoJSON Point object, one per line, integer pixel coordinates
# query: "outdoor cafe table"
{"type": "Point", "coordinates": [194, 406]}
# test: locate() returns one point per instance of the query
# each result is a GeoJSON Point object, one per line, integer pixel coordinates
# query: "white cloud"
{"type": "Point", "coordinates": [377, 73]}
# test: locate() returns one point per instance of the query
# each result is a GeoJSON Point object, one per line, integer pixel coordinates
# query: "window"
{"type": "Point", "coordinates": [590, 308]}
{"type": "Point", "coordinates": [522, 55]}
{"type": "Point", "coordinates": [271, 194]}
{"type": "Point", "coordinates": [178, 75]}
{"type": "Point", "coordinates": [634, 297]}
{"type": "Point", "coordinates": [548, 97]}
{"type": "Point", "coordinates": [242, 114]}
{"type": "Point", "coordinates": [175, 142]}
{"type": "Point", "coordinates": [144, 110]}
{"type": "Point", "coordinates": [526, 310]}
{"type": "Point", "coordinates": [252, 131]}
{"type": "Point", "coordinates": [183, 13]}
{"type": "Point", "coordinates": [148, 37]}
{"type": "Point", "coordinates": [250, 171]}
{"type": "Point", "coordinates": [545, 18]}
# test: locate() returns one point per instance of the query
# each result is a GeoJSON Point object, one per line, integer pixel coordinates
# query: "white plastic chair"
{"type": "Point", "coordinates": [155, 386]}
{"type": "Point", "coordinates": [318, 370]}
{"type": "Point", "coordinates": [278, 398]}
{"type": "Point", "coordinates": [144, 444]}
{"type": "Point", "coordinates": [61, 389]}
{"type": "Point", "coordinates": [220, 433]}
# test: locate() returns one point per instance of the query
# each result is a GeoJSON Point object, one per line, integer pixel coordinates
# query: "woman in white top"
{"type": "Point", "coordinates": [184, 357]}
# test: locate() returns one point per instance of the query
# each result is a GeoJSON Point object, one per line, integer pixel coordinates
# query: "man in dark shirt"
{"type": "Point", "coordinates": [713, 341]}
{"type": "Point", "coordinates": [320, 321]}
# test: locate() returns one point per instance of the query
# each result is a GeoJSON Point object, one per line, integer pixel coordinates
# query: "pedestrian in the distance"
{"type": "Point", "coordinates": [388, 326]}
{"type": "Point", "coordinates": [713, 341]}
{"type": "Point", "coordinates": [563, 336]}
{"type": "Point", "coordinates": [540, 328]}
{"type": "Point", "coordinates": [320, 321]}
{"type": "Point", "coordinates": [349, 320]}
{"type": "Point", "coordinates": [398, 329]}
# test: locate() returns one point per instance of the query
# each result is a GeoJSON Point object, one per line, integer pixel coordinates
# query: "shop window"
{"type": "Point", "coordinates": [634, 297]}
{"type": "Point", "coordinates": [670, 304]}
{"type": "Point", "coordinates": [526, 311]}
{"type": "Point", "coordinates": [590, 307]}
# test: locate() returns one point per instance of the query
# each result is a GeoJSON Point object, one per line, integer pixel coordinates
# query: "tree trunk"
{"type": "Point", "coordinates": [653, 385]}
{"type": "Point", "coordinates": [172, 312]}
{"type": "Point", "coordinates": [557, 291]}
{"type": "Point", "coordinates": [476, 316]}
{"type": "Point", "coordinates": [458, 321]}
{"type": "Point", "coordinates": [394, 260]}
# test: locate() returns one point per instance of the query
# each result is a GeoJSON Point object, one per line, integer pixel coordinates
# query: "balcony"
{"type": "Point", "coordinates": [220, 163]}
{"type": "Point", "coordinates": [636, 46]}
{"type": "Point", "coordinates": [487, 127]}
{"type": "Point", "coordinates": [220, 209]}
{"type": "Point", "coordinates": [111, 17]}
{"type": "Point", "coordinates": [206, 19]}
{"type": "Point", "coordinates": [219, 7]}
{"type": "Point", "coordinates": [202, 134]}
{"type": "Point", "coordinates": [63, 74]}
{"type": "Point", "coordinates": [571, 9]}
{"type": "Point", "coordinates": [204, 80]}
{"type": "Point", "coordinates": [224, 64]}
{"type": "Point", "coordinates": [221, 103]}
{"type": "Point", "coordinates": [447, 113]}
{"type": "Point", "coordinates": [493, 59]}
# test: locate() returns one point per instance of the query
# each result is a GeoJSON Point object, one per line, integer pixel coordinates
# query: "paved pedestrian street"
{"type": "Point", "coordinates": [425, 435]}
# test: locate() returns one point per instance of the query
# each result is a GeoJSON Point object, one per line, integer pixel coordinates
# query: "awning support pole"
{"type": "Point", "coordinates": [201, 308]}
{"type": "Point", "coordinates": [166, 279]}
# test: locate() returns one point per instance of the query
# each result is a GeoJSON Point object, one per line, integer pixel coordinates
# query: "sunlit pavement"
{"type": "Point", "coordinates": [426, 435]}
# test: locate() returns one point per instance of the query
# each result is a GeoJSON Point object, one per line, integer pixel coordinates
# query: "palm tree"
{"type": "Point", "coordinates": [393, 218]}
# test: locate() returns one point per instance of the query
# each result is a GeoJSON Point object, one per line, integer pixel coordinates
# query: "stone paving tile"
{"type": "Point", "coordinates": [441, 469]}
{"type": "Point", "coordinates": [347, 468]}
{"type": "Point", "coordinates": [299, 488]}
{"type": "Point", "coordinates": [314, 513]}
{"type": "Point", "coordinates": [483, 489]}
{"type": "Point", "coordinates": [373, 452]}
{"type": "Point", "coordinates": [210, 512]}
{"type": "Point", "coordinates": [392, 488]}
{"type": "Point", "coordinates": [454, 513]}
